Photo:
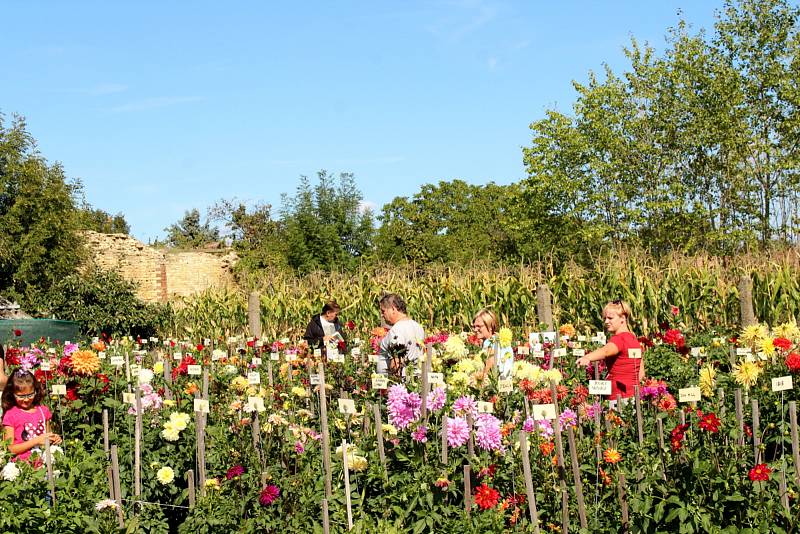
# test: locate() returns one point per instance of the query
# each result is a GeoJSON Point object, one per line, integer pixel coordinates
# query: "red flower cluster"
{"type": "Point", "coordinates": [18, 333]}
{"type": "Point", "coordinates": [183, 368]}
{"type": "Point", "coordinates": [486, 497]}
{"type": "Point", "coordinates": [677, 436]}
{"type": "Point", "coordinates": [235, 471]}
{"type": "Point", "coordinates": [793, 362]}
{"type": "Point", "coordinates": [269, 494]}
{"type": "Point", "coordinates": [350, 325]}
{"type": "Point", "coordinates": [579, 395]}
{"type": "Point", "coordinates": [645, 342]}
{"type": "Point", "coordinates": [782, 343]}
{"type": "Point", "coordinates": [441, 337]}
{"type": "Point", "coordinates": [487, 471]}
{"type": "Point", "coordinates": [760, 473]}
{"type": "Point", "coordinates": [709, 422]}
{"type": "Point", "coordinates": [674, 337]}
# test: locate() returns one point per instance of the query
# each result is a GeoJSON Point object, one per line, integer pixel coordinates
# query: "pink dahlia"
{"type": "Point", "coordinates": [457, 431]}
{"type": "Point", "coordinates": [269, 494]}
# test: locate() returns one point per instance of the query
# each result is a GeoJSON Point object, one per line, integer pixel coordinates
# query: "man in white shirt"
{"type": "Point", "coordinates": [404, 332]}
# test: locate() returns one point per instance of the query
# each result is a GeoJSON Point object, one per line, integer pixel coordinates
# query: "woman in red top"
{"type": "Point", "coordinates": [625, 366]}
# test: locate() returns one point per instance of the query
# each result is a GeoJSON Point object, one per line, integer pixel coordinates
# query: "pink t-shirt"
{"type": "Point", "coordinates": [27, 425]}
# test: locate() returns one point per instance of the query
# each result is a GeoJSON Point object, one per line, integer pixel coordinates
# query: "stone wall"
{"type": "Point", "coordinates": [161, 274]}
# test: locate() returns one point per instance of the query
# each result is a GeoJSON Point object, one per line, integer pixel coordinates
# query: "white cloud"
{"type": "Point", "coordinates": [155, 103]}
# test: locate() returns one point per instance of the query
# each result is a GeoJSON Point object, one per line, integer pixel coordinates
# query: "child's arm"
{"type": "Point", "coordinates": [55, 439]}
{"type": "Point", "coordinates": [19, 448]}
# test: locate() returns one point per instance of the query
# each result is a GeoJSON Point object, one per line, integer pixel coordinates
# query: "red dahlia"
{"type": "Point", "coordinates": [486, 497]}
{"type": "Point", "coordinates": [760, 473]}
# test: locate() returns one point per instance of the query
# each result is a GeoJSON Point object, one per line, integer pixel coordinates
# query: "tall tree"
{"type": "Point", "coordinates": [251, 231]}
{"type": "Point", "coordinates": [189, 232]}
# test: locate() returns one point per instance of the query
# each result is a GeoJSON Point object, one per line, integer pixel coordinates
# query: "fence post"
{"type": "Point", "coordinates": [544, 305]}
{"type": "Point", "coordinates": [254, 313]}
{"type": "Point", "coordinates": [746, 314]}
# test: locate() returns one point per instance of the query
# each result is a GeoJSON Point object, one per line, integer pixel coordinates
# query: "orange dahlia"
{"type": "Point", "coordinates": [612, 456]}
{"type": "Point", "coordinates": [85, 362]}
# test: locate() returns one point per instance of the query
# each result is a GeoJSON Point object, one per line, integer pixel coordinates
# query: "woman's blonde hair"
{"type": "Point", "coordinates": [619, 306]}
{"type": "Point", "coordinates": [489, 319]}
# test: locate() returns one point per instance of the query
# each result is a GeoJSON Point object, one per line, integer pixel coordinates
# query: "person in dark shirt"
{"type": "Point", "coordinates": [324, 327]}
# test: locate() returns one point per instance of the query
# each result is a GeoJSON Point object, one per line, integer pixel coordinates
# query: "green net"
{"type": "Point", "coordinates": [32, 330]}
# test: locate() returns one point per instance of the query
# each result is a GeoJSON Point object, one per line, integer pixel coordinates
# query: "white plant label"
{"type": "Point", "coordinates": [347, 406]}
{"type": "Point", "coordinates": [217, 355]}
{"type": "Point", "coordinates": [635, 354]}
{"type": "Point", "coordinates": [195, 370]}
{"type": "Point", "coordinates": [436, 378]}
{"type": "Point", "coordinates": [255, 404]}
{"type": "Point", "coordinates": [256, 361]}
{"type": "Point", "coordinates": [744, 351]}
{"type": "Point", "coordinates": [45, 365]}
{"type": "Point", "coordinates": [355, 352]}
{"type": "Point", "coordinates": [599, 387]}
{"type": "Point", "coordinates": [485, 407]}
{"type": "Point", "coordinates": [128, 398]}
{"type": "Point", "coordinates": [317, 353]}
{"type": "Point", "coordinates": [782, 383]}
{"type": "Point", "coordinates": [689, 394]}
{"type": "Point", "coordinates": [582, 339]}
{"type": "Point", "coordinates": [314, 380]}
{"type": "Point", "coordinates": [253, 379]}
{"type": "Point", "coordinates": [374, 358]}
{"type": "Point", "coordinates": [579, 353]}
{"type": "Point", "coordinates": [523, 350]}
{"type": "Point", "coordinates": [291, 357]}
{"type": "Point", "coordinates": [117, 360]}
{"type": "Point", "coordinates": [380, 382]}
{"type": "Point", "coordinates": [549, 337]}
{"type": "Point", "coordinates": [543, 411]}
{"type": "Point", "coordinates": [697, 351]}
{"type": "Point", "coordinates": [101, 355]}
{"type": "Point", "coordinates": [201, 405]}
{"type": "Point", "coordinates": [177, 356]}
{"type": "Point", "coordinates": [559, 353]}
{"type": "Point", "coordinates": [505, 385]}
{"type": "Point", "coordinates": [275, 356]}
{"type": "Point", "coordinates": [538, 354]}
{"type": "Point", "coordinates": [59, 389]}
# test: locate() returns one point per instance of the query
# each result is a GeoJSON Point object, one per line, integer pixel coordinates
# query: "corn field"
{"type": "Point", "coordinates": [440, 297]}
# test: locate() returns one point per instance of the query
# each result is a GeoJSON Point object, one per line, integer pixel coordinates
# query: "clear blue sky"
{"type": "Point", "coordinates": [159, 107]}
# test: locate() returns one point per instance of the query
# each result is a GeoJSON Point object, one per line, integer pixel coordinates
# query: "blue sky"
{"type": "Point", "coordinates": [159, 107]}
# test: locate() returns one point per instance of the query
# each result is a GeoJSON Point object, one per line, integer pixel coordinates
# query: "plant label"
{"type": "Point", "coordinates": [689, 394]}
{"type": "Point", "coordinates": [274, 356]}
{"type": "Point", "coordinates": [201, 405]}
{"type": "Point", "coordinates": [576, 345]}
{"type": "Point", "coordinates": [533, 338]}
{"type": "Point", "coordinates": [543, 411]}
{"type": "Point", "coordinates": [259, 343]}
{"type": "Point", "coordinates": [635, 354]}
{"type": "Point", "coordinates": [355, 352]}
{"type": "Point", "coordinates": [45, 365]}
{"type": "Point", "coordinates": [117, 360]}
{"type": "Point", "coordinates": [217, 355]}
{"type": "Point", "coordinates": [523, 350]}
{"type": "Point", "coordinates": [697, 351]}
{"type": "Point", "coordinates": [436, 378]}
{"type": "Point", "coordinates": [485, 407]}
{"type": "Point", "coordinates": [256, 361]}
{"type": "Point", "coordinates": [744, 351]}
{"type": "Point", "coordinates": [374, 358]}
{"type": "Point", "coordinates": [505, 385]}
{"type": "Point", "coordinates": [314, 380]}
{"type": "Point", "coordinates": [206, 342]}
{"type": "Point", "coordinates": [177, 356]}
{"type": "Point", "coordinates": [336, 357]}
{"type": "Point", "coordinates": [101, 355]}
{"type": "Point", "coordinates": [579, 353]}
{"type": "Point", "coordinates": [195, 370]}
{"type": "Point", "coordinates": [51, 350]}
{"type": "Point", "coordinates": [782, 383]}
{"type": "Point", "coordinates": [380, 382]}
{"type": "Point", "coordinates": [291, 357]}
{"type": "Point", "coordinates": [59, 389]}
{"type": "Point", "coordinates": [317, 353]}
{"type": "Point", "coordinates": [253, 379]}
{"type": "Point", "coordinates": [559, 353]}
{"type": "Point", "coordinates": [128, 398]}
{"type": "Point", "coordinates": [255, 404]}
{"type": "Point", "coordinates": [582, 339]}
{"type": "Point", "coordinates": [347, 406]}
{"type": "Point", "coordinates": [599, 387]}
{"type": "Point", "coordinates": [549, 337]}
{"type": "Point", "coordinates": [538, 354]}
{"type": "Point", "coordinates": [135, 370]}
{"type": "Point", "coordinates": [761, 356]}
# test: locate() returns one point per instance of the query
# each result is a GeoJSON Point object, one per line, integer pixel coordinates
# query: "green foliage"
{"type": "Point", "coordinates": [103, 222]}
{"type": "Point", "coordinates": [253, 234]}
{"type": "Point", "coordinates": [325, 227]}
{"type": "Point", "coordinates": [38, 219]}
{"type": "Point", "coordinates": [103, 302]}
{"type": "Point", "coordinates": [190, 233]}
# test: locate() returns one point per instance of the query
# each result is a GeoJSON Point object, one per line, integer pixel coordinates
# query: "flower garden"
{"type": "Point", "coordinates": [263, 435]}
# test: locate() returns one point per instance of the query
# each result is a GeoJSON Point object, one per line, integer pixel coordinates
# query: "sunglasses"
{"type": "Point", "coordinates": [26, 396]}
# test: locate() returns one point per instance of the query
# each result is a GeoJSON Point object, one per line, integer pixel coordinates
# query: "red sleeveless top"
{"type": "Point", "coordinates": [623, 372]}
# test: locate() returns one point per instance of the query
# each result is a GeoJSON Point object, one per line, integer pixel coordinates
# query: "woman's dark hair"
{"type": "Point", "coordinates": [331, 305]}
{"type": "Point", "coordinates": [18, 380]}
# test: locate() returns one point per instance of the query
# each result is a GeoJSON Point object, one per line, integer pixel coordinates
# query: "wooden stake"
{"type": "Point", "coordinates": [560, 452]}
{"type": "Point", "coordinates": [376, 410]}
{"type": "Point", "coordinates": [110, 475]}
{"type": "Point", "coordinates": [347, 486]}
{"type": "Point", "coordinates": [623, 501]}
{"type": "Point", "coordinates": [526, 469]}
{"type": "Point", "coordinates": [737, 399]}
{"type": "Point", "coordinates": [544, 306]}
{"type": "Point", "coordinates": [746, 314]}
{"type": "Point", "coordinates": [326, 522]}
{"type": "Point", "coordinates": [326, 444]}
{"type": "Point", "coordinates": [444, 439]}
{"type": "Point", "coordinates": [167, 379]}
{"type": "Point", "coordinates": [205, 384]}
{"type": "Point", "coordinates": [639, 423]}
{"type": "Point", "coordinates": [467, 489]}
{"type": "Point", "coordinates": [106, 447]}
{"type": "Point", "coordinates": [254, 313]}
{"type": "Point", "coordinates": [201, 450]}
{"type": "Point", "coordinates": [137, 451]}
{"type": "Point", "coordinates": [48, 459]}
{"type": "Point", "coordinates": [190, 482]}
{"type": "Point", "coordinates": [471, 442]}
{"type": "Point", "coordinates": [255, 428]}
{"type": "Point", "coordinates": [117, 484]}
{"type": "Point", "coordinates": [576, 476]}
{"type": "Point", "coordinates": [795, 441]}
{"type": "Point", "coordinates": [756, 431]}
{"type": "Point", "coordinates": [721, 395]}
{"type": "Point", "coordinates": [660, 425]}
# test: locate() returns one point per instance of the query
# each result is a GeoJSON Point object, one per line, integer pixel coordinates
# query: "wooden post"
{"type": "Point", "coordinates": [683, 417]}
{"type": "Point", "coordinates": [376, 410]}
{"type": "Point", "coordinates": [347, 486]}
{"type": "Point", "coordinates": [106, 447]}
{"type": "Point", "coordinates": [560, 452]}
{"type": "Point", "coordinates": [190, 482]}
{"type": "Point", "coordinates": [444, 439]}
{"type": "Point", "coordinates": [471, 442]}
{"type": "Point", "coordinates": [721, 395]}
{"type": "Point", "coordinates": [737, 398]}
{"type": "Point", "coordinates": [623, 501]}
{"type": "Point", "coordinates": [255, 428]}
{"type": "Point", "coordinates": [467, 489]}
{"type": "Point", "coordinates": [167, 378]}
{"type": "Point", "coordinates": [795, 441]}
{"type": "Point", "coordinates": [326, 522]}
{"type": "Point", "coordinates": [544, 306]}
{"type": "Point", "coordinates": [205, 384]}
{"type": "Point", "coordinates": [254, 313]}
{"type": "Point", "coordinates": [201, 450]}
{"type": "Point", "coordinates": [326, 444]}
{"type": "Point", "coordinates": [117, 484]}
{"type": "Point", "coordinates": [110, 475]}
{"type": "Point", "coordinates": [756, 438]}
{"type": "Point", "coordinates": [660, 425]}
{"type": "Point", "coordinates": [48, 460]}
{"type": "Point", "coordinates": [576, 475]}
{"type": "Point", "coordinates": [746, 313]}
{"type": "Point", "coordinates": [639, 423]}
{"type": "Point", "coordinates": [526, 468]}
{"type": "Point", "coordinates": [137, 451]}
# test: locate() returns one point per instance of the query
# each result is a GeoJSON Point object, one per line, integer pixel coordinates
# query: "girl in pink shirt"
{"type": "Point", "coordinates": [24, 417]}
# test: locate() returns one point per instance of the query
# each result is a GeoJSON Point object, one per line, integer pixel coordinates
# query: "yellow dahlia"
{"type": "Point", "coordinates": [85, 362]}
{"type": "Point", "coordinates": [746, 373]}
{"type": "Point", "coordinates": [708, 380]}
{"type": "Point", "coordinates": [455, 348]}
{"type": "Point", "coordinates": [788, 330]}
{"type": "Point", "coordinates": [753, 334]}
{"type": "Point", "coordinates": [165, 475]}
{"type": "Point", "coordinates": [505, 336]}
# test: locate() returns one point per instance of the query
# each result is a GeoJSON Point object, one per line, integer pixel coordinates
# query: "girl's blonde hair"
{"type": "Point", "coordinates": [619, 306]}
{"type": "Point", "coordinates": [489, 319]}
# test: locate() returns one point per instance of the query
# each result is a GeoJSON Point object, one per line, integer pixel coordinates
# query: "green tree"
{"type": "Point", "coordinates": [189, 232]}
{"type": "Point", "coordinates": [253, 234]}
{"type": "Point", "coordinates": [103, 222]}
{"type": "Point", "coordinates": [39, 244]}
{"type": "Point", "coordinates": [325, 225]}
{"type": "Point", "coordinates": [451, 221]}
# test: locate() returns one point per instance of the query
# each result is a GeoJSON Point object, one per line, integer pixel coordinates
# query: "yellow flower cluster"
{"type": "Point", "coordinates": [355, 462]}
{"type": "Point", "coordinates": [174, 425]}
{"type": "Point", "coordinates": [788, 330]}
{"type": "Point", "coordinates": [455, 347]}
{"type": "Point", "coordinates": [753, 334]}
{"type": "Point", "coordinates": [165, 475]}
{"type": "Point", "coordinates": [525, 370]}
{"type": "Point", "coordinates": [552, 375]}
{"type": "Point", "coordinates": [158, 368]}
{"type": "Point", "coordinates": [239, 384]}
{"type": "Point", "coordinates": [297, 391]}
{"type": "Point", "coordinates": [708, 380]}
{"type": "Point", "coordinates": [746, 373]}
{"type": "Point", "coordinates": [505, 336]}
